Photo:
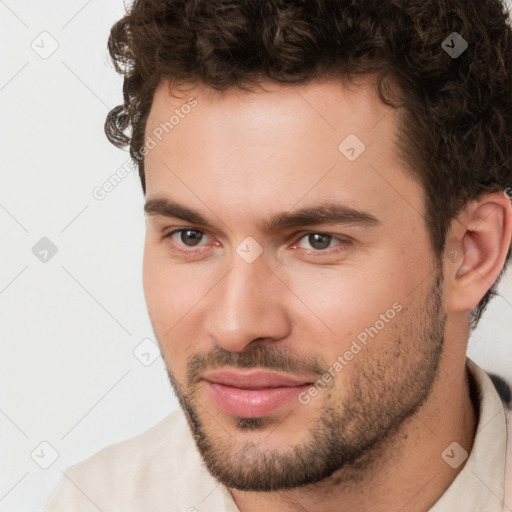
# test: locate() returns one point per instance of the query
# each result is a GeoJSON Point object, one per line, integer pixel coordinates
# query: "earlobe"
{"type": "Point", "coordinates": [482, 235]}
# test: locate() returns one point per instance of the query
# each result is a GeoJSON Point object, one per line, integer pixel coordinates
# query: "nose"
{"type": "Point", "coordinates": [249, 303]}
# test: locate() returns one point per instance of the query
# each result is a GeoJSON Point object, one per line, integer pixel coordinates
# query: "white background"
{"type": "Point", "coordinates": [68, 375]}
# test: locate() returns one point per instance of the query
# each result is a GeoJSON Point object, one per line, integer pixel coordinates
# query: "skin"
{"type": "Point", "coordinates": [385, 418]}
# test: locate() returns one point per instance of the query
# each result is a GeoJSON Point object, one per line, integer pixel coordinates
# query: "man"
{"type": "Point", "coordinates": [328, 214]}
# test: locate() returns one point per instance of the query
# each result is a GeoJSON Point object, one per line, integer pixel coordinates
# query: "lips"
{"type": "Point", "coordinates": [253, 379]}
{"type": "Point", "coordinates": [253, 393]}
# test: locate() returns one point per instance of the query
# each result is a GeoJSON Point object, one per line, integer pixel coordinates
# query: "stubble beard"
{"type": "Point", "coordinates": [350, 431]}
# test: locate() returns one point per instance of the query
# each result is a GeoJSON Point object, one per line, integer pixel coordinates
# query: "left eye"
{"type": "Point", "coordinates": [318, 241]}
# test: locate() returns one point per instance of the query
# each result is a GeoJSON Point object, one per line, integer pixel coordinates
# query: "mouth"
{"type": "Point", "coordinates": [253, 393]}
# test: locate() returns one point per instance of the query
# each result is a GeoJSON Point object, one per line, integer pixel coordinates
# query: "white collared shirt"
{"type": "Point", "coordinates": [480, 486]}
{"type": "Point", "coordinates": [161, 470]}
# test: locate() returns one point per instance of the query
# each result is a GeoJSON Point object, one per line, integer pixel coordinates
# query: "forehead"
{"type": "Point", "coordinates": [324, 139]}
{"type": "Point", "coordinates": [319, 102]}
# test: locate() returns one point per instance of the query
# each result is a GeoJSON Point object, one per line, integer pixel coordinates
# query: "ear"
{"type": "Point", "coordinates": [476, 248]}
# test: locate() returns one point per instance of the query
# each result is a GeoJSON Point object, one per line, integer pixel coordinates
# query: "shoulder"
{"type": "Point", "coordinates": [504, 390]}
{"type": "Point", "coordinates": [126, 456]}
{"type": "Point", "coordinates": [508, 460]}
{"type": "Point", "coordinates": [131, 470]}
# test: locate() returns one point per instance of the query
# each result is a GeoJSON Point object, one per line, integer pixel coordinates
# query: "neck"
{"type": "Point", "coordinates": [406, 471]}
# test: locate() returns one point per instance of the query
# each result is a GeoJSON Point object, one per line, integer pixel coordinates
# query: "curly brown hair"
{"type": "Point", "coordinates": [456, 111]}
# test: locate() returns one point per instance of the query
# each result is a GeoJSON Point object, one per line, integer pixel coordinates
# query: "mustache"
{"type": "Point", "coordinates": [258, 356]}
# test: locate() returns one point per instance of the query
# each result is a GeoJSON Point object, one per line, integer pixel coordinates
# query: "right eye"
{"type": "Point", "coordinates": [187, 236]}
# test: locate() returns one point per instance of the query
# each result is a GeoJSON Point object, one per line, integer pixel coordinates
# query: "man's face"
{"type": "Point", "coordinates": [331, 331]}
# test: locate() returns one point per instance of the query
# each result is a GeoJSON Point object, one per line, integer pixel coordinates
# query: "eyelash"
{"type": "Point", "coordinates": [313, 252]}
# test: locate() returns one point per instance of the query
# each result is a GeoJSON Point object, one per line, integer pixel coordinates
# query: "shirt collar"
{"type": "Point", "coordinates": [481, 482]}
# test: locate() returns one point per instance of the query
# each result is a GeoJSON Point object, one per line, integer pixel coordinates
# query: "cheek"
{"type": "Point", "coordinates": [345, 297]}
{"type": "Point", "coordinates": [354, 303]}
{"type": "Point", "coordinates": [173, 293]}
{"type": "Point", "coordinates": [165, 285]}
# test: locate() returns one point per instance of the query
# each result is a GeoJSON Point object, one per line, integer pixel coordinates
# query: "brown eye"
{"type": "Point", "coordinates": [319, 241]}
{"type": "Point", "coordinates": [322, 244]}
{"type": "Point", "coordinates": [187, 237]}
{"type": "Point", "coordinates": [316, 241]}
{"type": "Point", "coordinates": [191, 235]}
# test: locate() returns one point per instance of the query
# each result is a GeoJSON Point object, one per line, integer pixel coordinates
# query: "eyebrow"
{"type": "Point", "coordinates": [325, 213]}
